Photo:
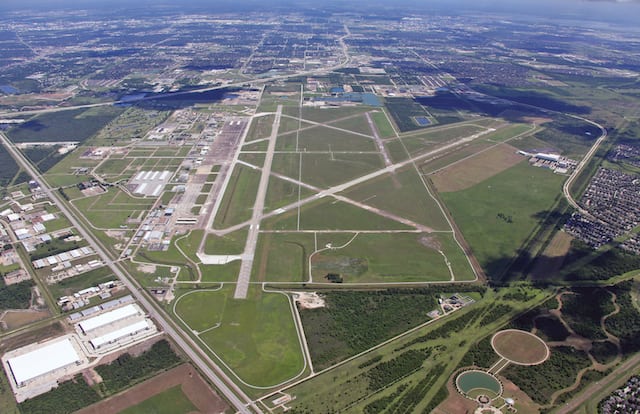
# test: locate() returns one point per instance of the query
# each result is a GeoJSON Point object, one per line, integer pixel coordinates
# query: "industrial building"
{"type": "Point", "coordinates": [36, 361]}
{"type": "Point", "coordinates": [107, 318]}
{"type": "Point", "coordinates": [36, 368]}
{"type": "Point", "coordinates": [120, 335]}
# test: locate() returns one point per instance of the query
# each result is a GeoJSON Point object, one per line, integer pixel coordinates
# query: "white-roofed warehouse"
{"type": "Point", "coordinates": [108, 317]}
{"type": "Point", "coordinates": [48, 357]}
{"type": "Point", "coordinates": [122, 333]}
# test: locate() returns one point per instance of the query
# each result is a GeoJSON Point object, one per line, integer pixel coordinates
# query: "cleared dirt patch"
{"type": "Point", "coordinates": [193, 386]}
{"type": "Point", "coordinates": [309, 300]}
{"type": "Point", "coordinates": [471, 171]}
{"type": "Point", "coordinates": [520, 347]}
{"type": "Point", "coordinates": [15, 319]}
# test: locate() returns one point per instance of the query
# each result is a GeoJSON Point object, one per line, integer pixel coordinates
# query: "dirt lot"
{"type": "Point", "coordinates": [17, 340]}
{"type": "Point", "coordinates": [471, 171]}
{"type": "Point", "coordinates": [15, 319]}
{"type": "Point", "coordinates": [193, 386]}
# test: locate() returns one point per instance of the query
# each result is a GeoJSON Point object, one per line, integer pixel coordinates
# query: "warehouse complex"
{"type": "Point", "coordinates": [36, 368]}
{"type": "Point", "coordinates": [48, 357]}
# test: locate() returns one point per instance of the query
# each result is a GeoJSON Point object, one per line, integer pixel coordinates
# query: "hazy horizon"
{"type": "Point", "coordinates": [624, 11]}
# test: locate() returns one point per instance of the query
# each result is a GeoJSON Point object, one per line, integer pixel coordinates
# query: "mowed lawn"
{"type": "Point", "coordinates": [497, 215]}
{"type": "Point", "coordinates": [393, 258]}
{"type": "Point", "coordinates": [256, 338]}
{"type": "Point", "coordinates": [171, 401]}
{"type": "Point", "coordinates": [404, 194]}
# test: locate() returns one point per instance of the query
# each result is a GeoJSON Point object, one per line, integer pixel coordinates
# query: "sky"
{"type": "Point", "coordinates": [626, 11]}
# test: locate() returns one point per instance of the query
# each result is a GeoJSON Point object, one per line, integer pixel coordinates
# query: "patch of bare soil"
{"type": "Point", "coordinates": [430, 242]}
{"type": "Point", "coordinates": [309, 300]}
{"type": "Point", "coordinates": [146, 268]}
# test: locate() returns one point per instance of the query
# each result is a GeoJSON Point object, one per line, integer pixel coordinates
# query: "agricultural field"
{"type": "Point", "coordinates": [178, 390]}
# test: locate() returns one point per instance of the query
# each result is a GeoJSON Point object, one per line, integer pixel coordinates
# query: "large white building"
{"type": "Point", "coordinates": [107, 318]}
{"type": "Point", "coordinates": [46, 358]}
{"type": "Point", "coordinates": [122, 334]}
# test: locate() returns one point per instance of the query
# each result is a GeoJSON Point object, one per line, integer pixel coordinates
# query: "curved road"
{"type": "Point", "coordinates": [566, 188]}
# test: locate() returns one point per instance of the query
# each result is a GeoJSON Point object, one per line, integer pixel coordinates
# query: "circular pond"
{"type": "Point", "coordinates": [475, 383]}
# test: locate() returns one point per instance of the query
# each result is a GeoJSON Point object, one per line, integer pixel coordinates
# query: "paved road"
{"type": "Point", "coordinates": [625, 369]}
{"type": "Point", "coordinates": [244, 277]}
{"type": "Point", "coordinates": [236, 396]}
{"type": "Point", "coordinates": [583, 163]}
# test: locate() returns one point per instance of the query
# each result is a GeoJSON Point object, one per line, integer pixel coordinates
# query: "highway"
{"type": "Point", "coordinates": [222, 382]}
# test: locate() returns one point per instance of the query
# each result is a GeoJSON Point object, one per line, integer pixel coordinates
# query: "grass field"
{"type": "Point", "coordinates": [111, 209]}
{"type": "Point", "coordinates": [356, 124]}
{"type": "Point", "coordinates": [474, 170]}
{"type": "Point", "coordinates": [522, 193]}
{"type": "Point", "coordinates": [199, 318]}
{"type": "Point", "coordinates": [171, 401]}
{"type": "Point", "coordinates": [418, 143]}
{"type": "Point", "coordinates": [282, 192]}
{"type": "Point", "coordinates": [220, 273]}
{"type": "Point", "coordinates": [328, 139]}
{"type": "Point", "coordinates": [239, 197]}
{"type": "Point", "coordinates": [260, 127]}
{"type": "Point", "coordinates": [446, 158]}
{"type": "Point", "coordinates": [331, 215]}
{"type": "Point", "coordinates": [282, 257]}
{"type": "Point", "coordinates": [396, 150]}
{"type": "Point", "coordinates": [232, 243]}
{"type": "Point", "coordinates": [331, 114]}
{"type": "Point", "coordinates": [382, 123]}
{"type": "Point", "coordinates": [326, 170]}
{"type": "Point", "coordinates": [256, 337]}
{"type": "Point", "coordinates": [396, 257]}
{"type": "Point", "coordinates": [404, 194]}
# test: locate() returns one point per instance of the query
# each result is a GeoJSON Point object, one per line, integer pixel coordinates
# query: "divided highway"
{"type": "Point", "coordinates": [222, 382]}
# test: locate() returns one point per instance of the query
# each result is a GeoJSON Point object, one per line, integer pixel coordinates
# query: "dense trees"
{"type": "Point", "coordinates": [558, 372]}
{"type": "Point", "coordinates": [68, 397]}
{"type": "Point", "coordinates": [16, 296]}
{"type": "Point", "coordinates": [354, 321]}
{"type": "Point", "coordinates": [127, 370]}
